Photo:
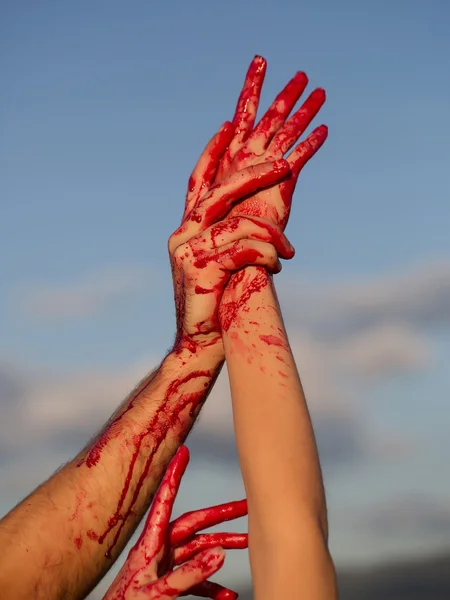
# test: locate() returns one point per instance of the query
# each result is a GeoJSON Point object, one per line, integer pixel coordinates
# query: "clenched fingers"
{"type": "Point", "coordinates": [242, 227]}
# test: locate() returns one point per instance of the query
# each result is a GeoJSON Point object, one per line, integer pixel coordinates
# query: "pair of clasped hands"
{"type": "Point", "coordinates": [237, 206]}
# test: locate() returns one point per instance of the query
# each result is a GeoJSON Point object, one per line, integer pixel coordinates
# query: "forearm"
{"type": "Point", "coordinates": [87, 511]}
{"type": "Point", "coordinates": [275, 439]}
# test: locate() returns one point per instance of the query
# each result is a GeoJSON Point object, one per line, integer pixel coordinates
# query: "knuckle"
{"type": "Point", "coordinates": [182, 253]}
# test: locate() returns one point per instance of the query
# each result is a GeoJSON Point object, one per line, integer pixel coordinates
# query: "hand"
{"type": "Point", "coordinates": [149, 573]}
{"type": "Point", "coordinates": [274, 135]}
{"type": "Point", "coordinates": [204, 252]}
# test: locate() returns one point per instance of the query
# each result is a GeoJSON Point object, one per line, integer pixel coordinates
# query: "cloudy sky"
{"type": "Point", "coordinates": [105, 108]}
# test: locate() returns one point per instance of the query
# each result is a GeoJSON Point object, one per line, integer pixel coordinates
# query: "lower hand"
{"type": "Point", "coordinates": [149, 572]}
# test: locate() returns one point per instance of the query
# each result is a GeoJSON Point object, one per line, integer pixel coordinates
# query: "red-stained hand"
{"type": "Point", "coordinates": [270, 140]}
{"type": "Point", "coordinates": [149, 572]}
{"type": "Point", "coordinates": [204, 251]}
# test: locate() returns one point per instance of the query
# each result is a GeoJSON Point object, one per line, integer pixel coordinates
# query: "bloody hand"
{"type": "Point", "coordinates": [205, 252]}
{"type": "Point", "coordinates": [273, 136]}
{"type": "Point", "coordinates": [149, 572]}
{"type": "Point", "coordinates": [271, 139]}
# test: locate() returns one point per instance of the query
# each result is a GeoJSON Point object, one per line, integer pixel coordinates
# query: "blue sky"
{"type": "Point", "coordinates": [105, 108]}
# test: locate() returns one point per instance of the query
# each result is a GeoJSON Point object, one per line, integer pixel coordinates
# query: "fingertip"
{"type": "Point", "coordinates": [212, 558]}
{"type": "Point", "coordinates": [281, 167]}
{"type": "Point", "coordinates": [319, 93]}
{"type": "Point", "coordinates": [322, 131]}
{"type": "Point", "coordinates": [259, 60]}
{"type": "Point", "coordinates": [184, 453]}
{"type": "Point", "coordinates": [301, 78]}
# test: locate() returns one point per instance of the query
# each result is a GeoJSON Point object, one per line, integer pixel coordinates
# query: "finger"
{"type": "Point", "coordinates": [155, 531]}
{"type": "Point", "coordinates": [209, 589]}
{"type": "Point", "coordinates": [246, 109]}
{"type": "Point", "coordinates": [276, 115]}
{"type": "Point", "coordinates": [242, 227]}
{"type": "Point", "coordinates": [228, 541]}
{"type": "Point", "coordinates": [237, 255]}
{"type": "Point", "coordinates": [306, 150]}
{"type": "Point", "coordinates": [195, 571]}
{"type": "Point", "coordinates": [221, 197]}
{"type": "Point", "coordinates": [296, 125]}
{"type": "Point", "coordinates": [204, 171]}
{"type": "Point", "coordinates": [191, 522]}
{"type": "Point", "coordinates": [247, 104]}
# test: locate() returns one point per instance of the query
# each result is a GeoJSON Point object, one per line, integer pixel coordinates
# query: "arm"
{"type": "Point", "coordinates": [60, 540]}
{"type": "Point", "coordinates": [287, 513]}
{"type": "Point", "coordinates": [277, 450]}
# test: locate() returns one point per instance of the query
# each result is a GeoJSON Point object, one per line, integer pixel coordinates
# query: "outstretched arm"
{"type": "Point", "coordinates": [287, 512]}
{"type": "Point", "coordinates": [61, 539]}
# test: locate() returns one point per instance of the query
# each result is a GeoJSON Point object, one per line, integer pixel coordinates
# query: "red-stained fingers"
{"type": "Point", "coordinates": [276, 115]}
{"type": "Point", "coordinates": [242, 227]}
{"type": "Point", "coordinates": [205, 170]}
{"type": "Point", "coordinates": [247, 104]}
{"type": "Point", "coordinates": [228, 541]}
{"type": "Point", "coordinates": [238, 255]}
{"type": "Point", "coordinates": [306, 150]}
{"type": "Point", "coordinates": [154, 534]}
{"type": "Point", "coordinates": [221, 197]}
{"type": "Point", "coordinates": [294, 127]}
{"type": "Point", "coordinates": [209, 589]}
{"type": "Point", "coordinates": [195, 571]}
{"type": "Point", "coordinates": [184, 527]}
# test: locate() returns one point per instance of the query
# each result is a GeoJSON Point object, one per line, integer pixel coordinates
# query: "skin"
{"type": "Point", "coordinates": [149, 571]}
{"type": "Point", "coordinates": [86, 512]}
{"type": "Point", "coordinates": [278, 454]}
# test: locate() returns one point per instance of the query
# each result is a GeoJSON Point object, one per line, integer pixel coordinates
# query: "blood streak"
{"type": "Point", "coordinates": [229, 311]}
{"type": "Point", "coordinates": [164, 420]}
{"type": "Point", "coordinates": [272, 340]}
{"type": "Point", "coordinates": [78, 542]}
{"type": "Point", "coordinates": [200, 290]}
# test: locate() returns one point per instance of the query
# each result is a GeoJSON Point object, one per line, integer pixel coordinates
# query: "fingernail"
{"type": "Point", "coordinates": [319, 94]}
{"type": "Point", "coordinates": [301, 77]}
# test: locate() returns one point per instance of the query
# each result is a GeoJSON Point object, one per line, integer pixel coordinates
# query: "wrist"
{"type": "Point", "coordinates": [198, 351]}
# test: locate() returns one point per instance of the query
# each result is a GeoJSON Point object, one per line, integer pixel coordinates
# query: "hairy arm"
{"type": "Point", "coordinates": [60, 540]}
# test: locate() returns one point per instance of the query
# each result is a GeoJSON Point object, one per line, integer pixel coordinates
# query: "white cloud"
{"type": "Point", "coordinates": [336, 370]}
{"type": "Point", "coordinates": [418, 298]}
{"type": "Point", "coordinates": [88, 296]}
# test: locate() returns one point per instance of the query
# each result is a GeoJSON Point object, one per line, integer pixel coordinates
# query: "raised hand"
{"type": "Point", "coordinates": [149, 572]}
{"type": "Point", "coordinates": [204, 252]}
{"type": "Point", "coordinates": [271, 139]}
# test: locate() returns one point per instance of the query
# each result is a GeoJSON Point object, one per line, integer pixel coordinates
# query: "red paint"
{"type": "Point", "coordinates": [229, 310]}
{"type": "Point", "coordinates": [191, 522]}
{"type": "Point", "coordinates": [78, 542]}
{"type": "Point", "coordinates": [272, 340]}
{"type": "Point", "coordinates": [217, 210]}
{"type": "Point", "coordinates": [199, 290]}
{"type": "Point", "coordinates": [156, 552]}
